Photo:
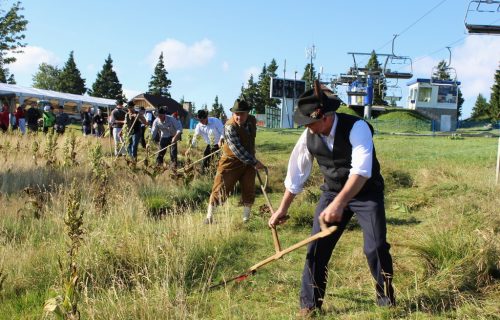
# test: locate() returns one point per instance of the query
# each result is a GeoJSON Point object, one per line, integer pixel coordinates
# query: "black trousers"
{"type": "Point", "coordinates": [370, 213]}
{"type": "Point", "coordinates": [208, 150]}
{"type": "Point", "coordinates": [165, 141]}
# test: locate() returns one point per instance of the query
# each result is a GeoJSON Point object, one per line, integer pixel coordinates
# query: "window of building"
{"type": "Point", "coordinates": [424, 94]}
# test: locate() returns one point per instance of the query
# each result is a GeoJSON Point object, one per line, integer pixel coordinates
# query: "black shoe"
{"type": "Point", "coordinates": [386, 302]}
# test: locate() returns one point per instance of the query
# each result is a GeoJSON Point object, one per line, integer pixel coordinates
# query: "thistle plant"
{"type": "Point", "coordinates": [35, 147]}
{"type": "Point", "coordinates": [69, 153]}
{"type": "Point", "coordinates": [3, 276]}
{"type": "Point", "coordinates": [49, 151]}
{"type": "Point", "coordinates": [99, 178]}
{"type": "Point", "coordinates": [65, 305]}
{"type": "Point", "coordinates": [35, 204]}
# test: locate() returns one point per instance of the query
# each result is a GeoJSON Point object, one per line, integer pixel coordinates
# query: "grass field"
{"type": "Point", "coordinates": [145, 254]}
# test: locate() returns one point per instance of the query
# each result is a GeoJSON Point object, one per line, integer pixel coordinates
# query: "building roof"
{"type": "Point", "coordinates": [441, 82]}
{"type": "Point", "coordinates": [40, 94]}
{"type": "Point", "coordinates": [155, 102]}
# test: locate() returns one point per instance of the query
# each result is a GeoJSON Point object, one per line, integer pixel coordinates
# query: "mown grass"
{"type": "Point", "coordinates": [443, 225]}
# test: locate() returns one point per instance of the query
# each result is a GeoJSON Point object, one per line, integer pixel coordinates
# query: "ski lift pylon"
{"type": "Point", "coordinates": [482, 7]}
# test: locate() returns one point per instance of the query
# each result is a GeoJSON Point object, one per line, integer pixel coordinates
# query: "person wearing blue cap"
{"type": "Point", "coordinates": [343, 148]}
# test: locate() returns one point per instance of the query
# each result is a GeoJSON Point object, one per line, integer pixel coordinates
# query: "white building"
{"type": "Point", "coordinates": [437, 99]}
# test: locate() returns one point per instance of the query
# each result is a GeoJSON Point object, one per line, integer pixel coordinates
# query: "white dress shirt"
{"type": "Point", "coordinates": [301, 160]}
{"type": "Point", "coordinates": [214, 128]}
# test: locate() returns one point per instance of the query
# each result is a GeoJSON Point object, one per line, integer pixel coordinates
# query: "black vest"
{"type": "Point", "coordinates": [335, 165]}
{"type": "Point", "coordinates": [133, 123]}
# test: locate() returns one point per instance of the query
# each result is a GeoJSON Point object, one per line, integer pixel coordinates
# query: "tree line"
{"type": "Point", "coordinates": [256, 92]}
{"type": "Point", "coordinates": [484, 110]}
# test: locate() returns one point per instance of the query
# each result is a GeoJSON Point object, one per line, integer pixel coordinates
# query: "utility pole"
{"type": "Point", "coordinates": [311, 54]}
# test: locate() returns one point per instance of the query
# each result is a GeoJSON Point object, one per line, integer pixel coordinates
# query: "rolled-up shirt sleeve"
{"type": "Point", "coordinates": [299, 166]}
{"type": "Point", "coordinates": [362, 149]}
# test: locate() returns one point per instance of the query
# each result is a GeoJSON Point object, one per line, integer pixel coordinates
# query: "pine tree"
{"type": "Point", "coordinates": [47, 77]}
{"type": "Point", "coordinates": [494, 109]}
{"type": "Point", "coordinates": [460, 102]}
{"type": "Point", "coordinates": [306, 76]}
{"type": "Point", "coordinates": [11, 79]}
{"type": "Point", "coordinates": [264, 85]}
{"type": "Point", "coordinates": [217, 109]}
{"type": "Point", "coordinates": [160, 84]}
{"type": "Point", "coordinates": [379, 85]}
{"type": "Point", "coordinates": [251, 93]}
{"type": "Point", "coordinates": [480, 110]}
{"type": "Point", "coordinates": [70, 79]}
{"type": "Point", "coordinates": [4, 74]}
{"type": "Point", "coordinates": [106, 84]}
{"type": "Point", "coordinates": [442, 71]}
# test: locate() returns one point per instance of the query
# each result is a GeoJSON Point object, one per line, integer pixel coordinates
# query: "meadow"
{"type": "Point", "coordinates": [87, 236]}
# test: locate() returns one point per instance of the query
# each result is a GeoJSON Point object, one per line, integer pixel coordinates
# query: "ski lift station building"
{"type": "Point", "coordinates": [437, 99]}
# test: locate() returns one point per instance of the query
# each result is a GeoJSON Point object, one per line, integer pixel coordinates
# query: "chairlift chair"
{"type": "Point", "coordinates": [449, 70]}
{"type": "Point", "coordinates": [482, 7]}
{"type": "Point", "coordinates": [393, 63]}
{"type": "Point", "coordinates": [357, 87]}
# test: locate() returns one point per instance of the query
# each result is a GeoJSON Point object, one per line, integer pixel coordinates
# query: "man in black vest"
{"type": "Point", "coordinates": [343, 147]}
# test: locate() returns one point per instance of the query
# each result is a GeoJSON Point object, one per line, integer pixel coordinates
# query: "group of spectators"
{"type": "Point", "coordinates": [31, 118]}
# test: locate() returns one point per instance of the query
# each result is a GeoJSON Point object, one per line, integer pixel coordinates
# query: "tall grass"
{"type": "Point", "coordinates": [443, 225]}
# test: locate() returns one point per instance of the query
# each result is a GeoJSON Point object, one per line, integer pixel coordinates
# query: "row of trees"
{"type": "Point", "coordinates": [256, 92]}
{"type": "Point", "coordinates": [482, 109]}
{"type": "Point", "coordinates": [69, 79]}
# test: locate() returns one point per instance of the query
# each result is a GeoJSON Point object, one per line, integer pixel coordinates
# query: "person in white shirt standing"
{"type": "Point", "coordinates": [212, 131]}
{"type": "Point", "coordinates": [343, 147]}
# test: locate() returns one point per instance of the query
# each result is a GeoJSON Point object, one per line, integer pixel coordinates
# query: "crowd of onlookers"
{"type": "Point", "coordinates": [166, 130]}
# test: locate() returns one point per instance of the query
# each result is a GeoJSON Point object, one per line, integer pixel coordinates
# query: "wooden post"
{"type": "Point", "coordinates": [498, 160]}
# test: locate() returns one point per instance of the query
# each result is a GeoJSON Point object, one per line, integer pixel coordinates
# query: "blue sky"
{"type": "Point", "coordinates": [211, 47]}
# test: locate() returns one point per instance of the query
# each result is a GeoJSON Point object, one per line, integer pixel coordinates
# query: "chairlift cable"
{"type": "Point", "coordinates": [411, 25]}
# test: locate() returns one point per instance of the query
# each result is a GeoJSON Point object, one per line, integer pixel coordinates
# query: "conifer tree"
{"type": "Point", "coordinates": [379, 85]}
{"type": "Point", "coordinates": [442, 71]}
{"type": "Point", "coordinates": [480, 109]}
{"type": "Point", "coordinates": [460, 103]}
{"type": "Point", "coordinates": [11, 79]}
{"type": "Point", "coordinates": [306, 76]}
{"type": "Point", "coordinates": [264, 85]}
{"type": "Point", "coordinates": [494, 109]}
{"type": "Point", "coordinates": [251, 93]}
{"type": "Point", "coordinates": [70, 79]}
{"type": "Point", "coordinates": [160, 84]}
{"type": "Point", "coordinates": [106, 84]}
{"type": "Point", "coordinates": [217, 109]}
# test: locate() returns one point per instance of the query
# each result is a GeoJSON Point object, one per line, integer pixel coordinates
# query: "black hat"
{"type": "Point", "coordinates": [313, 104]}
{"type": "Point", "coordinates": [240, 106]}
{"type": "Point", "coordinates": [202, 114]}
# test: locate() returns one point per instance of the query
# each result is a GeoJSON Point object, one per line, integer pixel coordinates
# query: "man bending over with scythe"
{"type": "Point", "coordinates": [208, 128]}
{"type": "Point", "coordinates": [343, 147]}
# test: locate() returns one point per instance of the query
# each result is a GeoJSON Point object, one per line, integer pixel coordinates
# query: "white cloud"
{"type": "Point", "coordinates": [178, 55]}
{"type": "Point", "coordinates": [255, 71]}
{"type": "Point", "coordinates": [129, 93]}
{"type": "Point", "coordinates": [475, 62]}
{"type": "Point", "coordinates": [225, 66]}
{"type": "Point", "coordinates": [30, 58]}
